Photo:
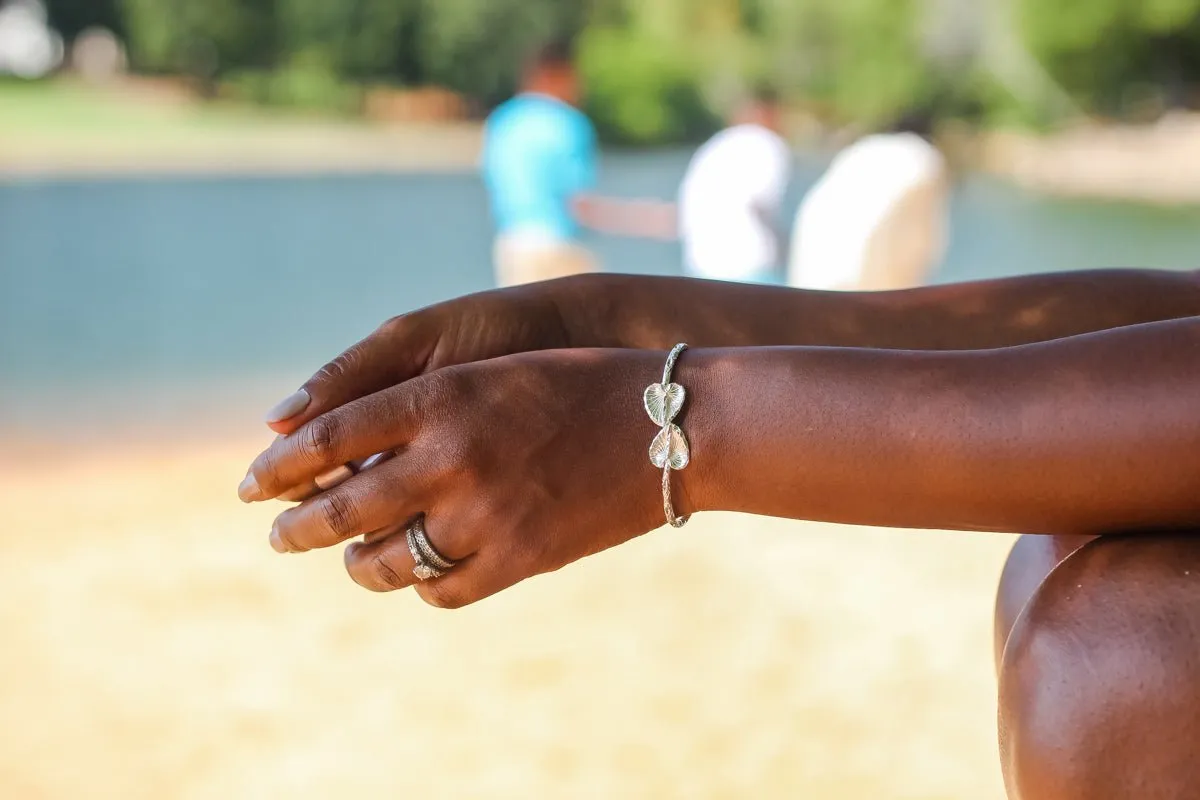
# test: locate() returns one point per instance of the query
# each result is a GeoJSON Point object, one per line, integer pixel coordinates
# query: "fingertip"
{"type": "Point", "coordinates": [287, 426]}
{"type": "Point", "coordinates": [249, 490]}
{"type": "Point", "coordinates": [276, 541]}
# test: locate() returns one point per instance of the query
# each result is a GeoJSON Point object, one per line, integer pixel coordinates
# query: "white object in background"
{"type": "Point", "coordinates": [28, 47]}
{"type": "Point", "coordinates": [729, 198]}
{"type": "Point", "coordinates": [98, 56]}
{"type": "Point", "coordinates": [877, 218]}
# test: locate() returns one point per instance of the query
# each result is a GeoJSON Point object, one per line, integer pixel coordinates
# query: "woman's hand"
{"type": "Point", "coordinates": [460, 331]}
{"type": "Point", "coordinates": [520, 465]}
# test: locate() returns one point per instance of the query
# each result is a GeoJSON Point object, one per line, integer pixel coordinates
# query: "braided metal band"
{"type": "Point", "coordinates": [672, 357]}
{"type": "Point", "coordinates": [428, 563]}
{"type": "Point", "coordinates": [669, 450]}
{"type": "Point", "coordinates": [668, 507]}
{"type": "Point", "coordinates": [426, 547]}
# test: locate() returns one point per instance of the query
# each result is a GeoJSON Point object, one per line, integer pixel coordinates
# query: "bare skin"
{"type": "Point", "coordinates": [654, 313]}
{"type": "Point", "coordinates": [1057, 405]}
{"type": "Point", "coordinates": [1098, 691]}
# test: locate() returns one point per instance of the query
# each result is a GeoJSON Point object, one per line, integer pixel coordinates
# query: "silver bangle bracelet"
{"type": "Point", "coordinates": [669, 450]}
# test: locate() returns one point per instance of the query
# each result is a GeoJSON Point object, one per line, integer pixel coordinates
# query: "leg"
{"type": "Point", "coordinates": [1031, 560]}
{"type": "Point", "coordinates": [1099, 698]}
{"type": "Point", "coordinates": [518, 264]}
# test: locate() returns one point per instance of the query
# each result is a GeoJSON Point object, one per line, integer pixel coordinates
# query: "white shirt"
{"type": "Point", "coordinates": [865, 188]}
{"type": "Point", "coordinates": [733, 187]}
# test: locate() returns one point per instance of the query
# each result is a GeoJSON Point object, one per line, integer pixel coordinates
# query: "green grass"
{"type": "Point", "coordinates": [60, 127]}
{"type": "Point", "coordinates": [57, 109]}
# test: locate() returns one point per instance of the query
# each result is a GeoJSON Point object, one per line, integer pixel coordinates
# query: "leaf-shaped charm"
{"type": "Point", "coordinates": [664, 402]}
{"type": "Point", "coordinates": [670, 447]}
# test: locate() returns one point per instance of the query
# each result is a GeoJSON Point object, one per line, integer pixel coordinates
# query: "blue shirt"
{"type": "Point", "coordinates": [538, 154]}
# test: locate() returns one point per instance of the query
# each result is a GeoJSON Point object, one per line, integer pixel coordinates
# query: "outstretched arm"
{"type": "Point", "coordinates": [640, 218]}
{"type": "Point", "coordinates": [1087, 435]}
{"type": "Point", "coordinates": [523, 464]}
{"type": "Point", "coordinates": [655, 312]}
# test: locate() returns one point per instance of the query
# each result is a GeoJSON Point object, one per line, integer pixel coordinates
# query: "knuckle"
{"type": "Point", "coordinates": [321, 438]}
{"type": "Point", "coordinates": [341, 366]}
{"type": "Point", "coordinates": [443, 593]}
{"type": "Point", "coordinates": [440, 388]}
{"type": "Point", "coordinates": [449, 460]}
{"type": "Point", "coordinates": [339, 514]}
{"type": "Point", "coordinates": [456, 543]}
{"type": "Point", "coordinates": [263, 470]}
{"type": "Point", "coordinates": [383, 576]}
{"type": "Point", "coordinates": [334, 370]}
{"type": "Point", "coordinates": [429, 403]}
{"type": "Point", "coordinates": [396, 326]}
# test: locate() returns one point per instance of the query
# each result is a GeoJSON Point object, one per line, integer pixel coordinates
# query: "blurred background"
{"type": "Point", "coordinates": [201, 201]}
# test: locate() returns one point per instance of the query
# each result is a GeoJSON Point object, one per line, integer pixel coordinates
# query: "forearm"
{"type": "Point", "coordinates": [626, 217]}
{"type": "Point", "coordinates": [1088, 435]}
{"type": "Point", "coordinates": [655, 312]}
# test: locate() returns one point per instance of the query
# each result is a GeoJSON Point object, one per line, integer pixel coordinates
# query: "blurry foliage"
{"type": "Point", "coordinates": [202, 39]}
{"type": "Point", "coordinates": [640, 90]}
{"type": "Point", "coordinates": [356, 39]}
{"type": "Point", "coordinates": [70, 17]}
{"type": "Point", "coordinates": [1110, 54]}
{"type": "Point", "coordinates": [477, 47]}
{"type": "Point", "coordinates": [861, 60]}
{"type": "Point", "coordinates": [657, 70]}
{"type": "Point", "coordinates": [304, 83]}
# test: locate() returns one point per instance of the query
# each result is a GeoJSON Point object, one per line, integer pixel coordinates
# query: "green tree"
{"type": "Point", "coordinates": [69, 17]}
{"type": "Point", "coordinates": [356, 39]}
{"type": "Point", "coordinates": [1107, 52]}
{"type": "Point", "coordinates": [477, 46]}
{"type": "Point", "coordinates": [200, 38]}
{"type": "Point", "coordinates": [861, 60]}
{"type": "Point", "coordinates": [641, 90]}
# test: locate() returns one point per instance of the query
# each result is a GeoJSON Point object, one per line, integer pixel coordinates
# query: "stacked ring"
{"type": "Point", "coordinates": [429, 563]}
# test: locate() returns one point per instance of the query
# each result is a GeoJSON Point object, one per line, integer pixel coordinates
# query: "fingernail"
{"type": "Point", "coordinates": [248, 491]}
{"type": "Point", "coordinates": [333, 478]}
{"type": "Point", "coordinates": [277, 541]}
{"type": "Point", "coordinates": [289, 407]}
{"type": "Point", "coordinates": [374, 461]}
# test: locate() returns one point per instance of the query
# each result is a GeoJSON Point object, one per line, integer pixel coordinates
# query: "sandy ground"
{"type": "Point", "coordinates": [1158, 163]}
{"type": "Point", "coordinates": [300, 148]}
{"type": "Point", "coordinates": [154, 647]}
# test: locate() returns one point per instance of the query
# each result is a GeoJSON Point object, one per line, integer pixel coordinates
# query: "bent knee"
{"type": "Point", "coordinates": [1031, 559]}
{"type": "Point", "coordinates": [1098, 690]}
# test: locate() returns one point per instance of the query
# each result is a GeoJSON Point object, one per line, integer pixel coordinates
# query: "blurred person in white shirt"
{"type": "Point", "coordinates": [29, 48]}
{"type": "Point", "coordinates": [877, 218]}
{"type": "Point", "coordinates": [730, 199]}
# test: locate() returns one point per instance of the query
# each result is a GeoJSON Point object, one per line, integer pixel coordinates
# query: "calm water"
{"type": "Point", "coordinates": [134, 297]}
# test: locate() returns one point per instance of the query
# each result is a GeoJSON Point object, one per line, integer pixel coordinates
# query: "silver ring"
{"type": "Point", "coordinates": [428, 562]}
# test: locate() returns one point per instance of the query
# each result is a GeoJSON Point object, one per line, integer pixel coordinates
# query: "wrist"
{"type": "Point", "coordinates": [703, 421]}
{"type": "Point", "coordinates": [707, 418]}
{"type": "Point", "coordinates": [593, 309]}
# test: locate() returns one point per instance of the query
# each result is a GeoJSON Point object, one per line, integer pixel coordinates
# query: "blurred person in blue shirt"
{"type": "Point", "coordinates": [540, 164]}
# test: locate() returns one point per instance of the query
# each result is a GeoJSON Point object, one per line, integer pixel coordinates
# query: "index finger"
{"type": "Point", "coordinates": [396, 351]}
{"type": "Point", "coordinates": [382, 421]}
